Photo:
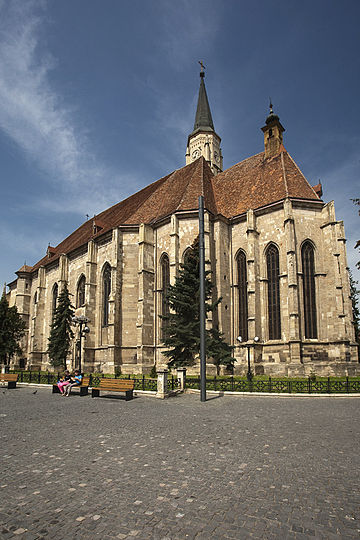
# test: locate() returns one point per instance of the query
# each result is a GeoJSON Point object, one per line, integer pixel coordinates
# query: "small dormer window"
{"type": "Point", "coordinates": [50, 252]}
{"type": "Point", "coordinates": [97, 226]}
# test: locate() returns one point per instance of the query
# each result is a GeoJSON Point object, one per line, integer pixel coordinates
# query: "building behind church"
{"type": "Point", "coordinates": [275, 249]}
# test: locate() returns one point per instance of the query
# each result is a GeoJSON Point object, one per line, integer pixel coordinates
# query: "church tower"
{"type": "Point", "coordinates": [273, 131]}
{"type": "Point", "coordinates": [203, 141]}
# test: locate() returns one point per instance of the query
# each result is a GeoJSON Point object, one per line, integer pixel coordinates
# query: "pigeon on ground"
{"type": "Point", "coordinates": [35, 392]}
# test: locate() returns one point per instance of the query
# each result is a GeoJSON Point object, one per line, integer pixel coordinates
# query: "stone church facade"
{"type": "Point", "coordinates": [275, 249]}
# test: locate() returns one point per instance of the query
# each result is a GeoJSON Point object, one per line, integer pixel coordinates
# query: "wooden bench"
{"type": "Point", "coordinates": [83, 387]}
{"type": "Point", "coordinates": [10, 378]}
{"type": "Point", "coordinates": [115, 385]}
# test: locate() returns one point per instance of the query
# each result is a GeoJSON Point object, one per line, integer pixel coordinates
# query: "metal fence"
{"type": "Point", "coordinates": [347, 385]}
{"type": "Point", "coordinates": [279, 386]}
{"type": "Point", "coordinates": [141, 382]}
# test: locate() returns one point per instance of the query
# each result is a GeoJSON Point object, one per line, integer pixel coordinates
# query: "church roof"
{"type": "Point", "coordinates": [25, 268]}
{"type": "Point", "coordinates": [257, 182]}
{"type": "Point", "coordinates": [175, 192]}
{"type": "Point", "coordinates": [252, 183]}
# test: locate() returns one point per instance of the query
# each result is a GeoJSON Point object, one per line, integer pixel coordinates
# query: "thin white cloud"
{"type": "Point", "coordinates": [32, 113]}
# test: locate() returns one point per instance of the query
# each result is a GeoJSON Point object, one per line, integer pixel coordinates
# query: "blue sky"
{"type": "Point", "coordinates": [97, 98]}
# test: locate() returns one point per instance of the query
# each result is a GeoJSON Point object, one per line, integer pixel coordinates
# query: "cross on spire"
{"type": "Point", "coordinates": [202, 74]}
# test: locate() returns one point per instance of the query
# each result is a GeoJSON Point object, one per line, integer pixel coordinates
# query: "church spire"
{"type": "Point", "coordinates": [203, 118]}
{"type": "Point", "coordinates": [203, 141]}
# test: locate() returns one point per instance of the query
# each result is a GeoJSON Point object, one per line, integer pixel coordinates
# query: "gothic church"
{"type": "Point", "coordinates": [276, 251]}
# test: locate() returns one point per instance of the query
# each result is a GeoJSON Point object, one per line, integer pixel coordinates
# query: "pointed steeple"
{"type": "Point", "coordinates": [203, 141]}
{"type": "Point", "coordinates": [203, 118]}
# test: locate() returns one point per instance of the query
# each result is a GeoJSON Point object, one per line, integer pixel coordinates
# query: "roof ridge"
{"type": "Point", "coordinates": [304, 177]}
{"type": "Point", "coordinates": [145, 188]}
{"type": "Point", "coordinates": [284, 174]}
{"type": "Point", "coordinates": [189, 181]}
{"type": "Point", "coordinates": [239, 163]}
{"type": "Point", "coordinates": [151, 192]}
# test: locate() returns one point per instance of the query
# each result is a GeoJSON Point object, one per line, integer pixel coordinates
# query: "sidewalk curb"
{"type": "Point", "coordinates": [151, 393]}
{"type": "Point", "coordinates": [272, 394]}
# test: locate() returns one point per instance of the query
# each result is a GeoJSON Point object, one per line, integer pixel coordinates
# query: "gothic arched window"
{"type": "Point", "coordinates": [308, 268]}
{"type": "Point", "coordinates": [106, 288]}
{"type": "Point", "coordinates": [242, 295]}
{"type": "Point", "coordinates": [165, 281]}
{"type": "Point", "coordinates": [186, 255]}
{"type": "Point", "coordinates": [55, 292]}
{"type": "Point", "coordinates": [80, 293]}
{"type": "Point", "coordinates": [273, 275]}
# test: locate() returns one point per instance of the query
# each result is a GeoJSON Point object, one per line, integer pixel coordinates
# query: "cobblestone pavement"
{"type": "Point", "coordinates": [243, 467]}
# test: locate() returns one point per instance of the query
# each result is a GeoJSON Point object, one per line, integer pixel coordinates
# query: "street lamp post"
{"type": "Point", "coordinates": [81, 321]}
{"type": "Point", "coordinates": [256, 339]}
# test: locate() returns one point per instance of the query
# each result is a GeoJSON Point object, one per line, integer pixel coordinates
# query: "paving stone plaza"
{"type": "Point", "coordinates": [233, 467]}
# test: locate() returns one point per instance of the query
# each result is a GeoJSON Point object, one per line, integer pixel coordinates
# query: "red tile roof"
{"type": "Point", "coordinates": [257, 182]}
{"type": "Point", "coordinates": [252, 183]}
{"type": "Point", "coordinates": [25, 268]}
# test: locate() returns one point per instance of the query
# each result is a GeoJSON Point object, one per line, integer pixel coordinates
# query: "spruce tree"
{"type": "Point", "coordinates": [182, 325]}
{"type": "Point", "coordinates": [12, 329]}
{"type": "Point", "coordinates": [61, 333]}
{"type": "Point", "coordinates": [219, 350]}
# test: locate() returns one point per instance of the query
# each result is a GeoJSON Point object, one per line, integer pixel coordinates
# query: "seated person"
{"type": "Point", "coordinates": [64, 381]}
{"type": "Point", "coordinates": [75, 381]}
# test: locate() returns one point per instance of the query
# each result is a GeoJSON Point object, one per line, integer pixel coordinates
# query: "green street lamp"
{"type": "Point", "coordinates": [256, 339]}
{"type": "Point", "coordinates": [81, 321]}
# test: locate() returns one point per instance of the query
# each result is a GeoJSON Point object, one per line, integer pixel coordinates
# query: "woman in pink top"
{"type": "Point", "coordinates": [64, 381]}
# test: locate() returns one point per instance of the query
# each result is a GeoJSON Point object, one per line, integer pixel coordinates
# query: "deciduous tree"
{"type": "Point", "coordinates": [12, 329]}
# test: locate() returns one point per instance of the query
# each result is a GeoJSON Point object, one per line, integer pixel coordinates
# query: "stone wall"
{"type": "Point", "coordinates": [131, 342]}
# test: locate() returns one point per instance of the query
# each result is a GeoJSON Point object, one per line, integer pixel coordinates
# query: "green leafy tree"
{"type": "Point", "coordinates": [61, 333]}
{"type": "Point", "coordinates": [354, 295]}
{"type": "Point", "coordinates": [12, 329]}
{"type": "Point", "coordinates": [182, 325]}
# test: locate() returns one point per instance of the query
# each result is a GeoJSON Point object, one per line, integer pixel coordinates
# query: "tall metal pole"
{"type": "Point", "coordinates": [80, 344]}
{"type": "Point", "coordinates": [202, 301]}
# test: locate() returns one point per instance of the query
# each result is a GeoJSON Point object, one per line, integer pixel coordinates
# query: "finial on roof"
{"type": "Point", "coordinates": [202, 72]}
{"type": "Point", "coordinates": [271, 116]}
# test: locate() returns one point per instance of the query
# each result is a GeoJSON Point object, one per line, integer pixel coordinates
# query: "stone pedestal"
{"type": "Point", "coordinates": [162, 384]}
{"type": "Point", "coordinates": [181, 375]}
